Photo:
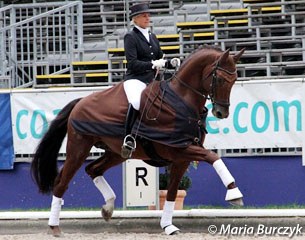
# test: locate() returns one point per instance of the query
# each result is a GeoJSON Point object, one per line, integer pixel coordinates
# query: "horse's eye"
{"type": "Point", "coordinates": [220, 81]}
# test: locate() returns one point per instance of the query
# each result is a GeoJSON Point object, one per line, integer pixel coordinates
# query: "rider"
{"type": "Point", "coordinates": [144, 58]}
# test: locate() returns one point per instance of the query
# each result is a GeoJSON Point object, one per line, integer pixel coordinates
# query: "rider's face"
{"type": "Point", "coordinates": [142, 20]}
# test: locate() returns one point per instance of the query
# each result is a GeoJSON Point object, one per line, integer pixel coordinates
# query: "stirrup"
{"type": "Point", "coordinates": [129, 146]}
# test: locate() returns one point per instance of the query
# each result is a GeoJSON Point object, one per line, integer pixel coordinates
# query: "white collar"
{"type": "Point", "coordinates": [144, 31]}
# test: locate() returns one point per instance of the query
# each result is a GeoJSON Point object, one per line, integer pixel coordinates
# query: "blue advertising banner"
{"type": "Point", "coordinates": [6, 137]}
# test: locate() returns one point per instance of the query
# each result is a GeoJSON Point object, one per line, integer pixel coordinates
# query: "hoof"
{"type": "Point", "coordinates": [237, 202]}
{"type": "Point", "coordinates": [55, 231]}
{"type": "Point", "coordinates": [107, 211]}
{"type": "Point", "coordinates": [171, 230]}
{"type": "Point", "coordinates": [175, 233]}
{"type": "Point", "coordinates": [234, 197]}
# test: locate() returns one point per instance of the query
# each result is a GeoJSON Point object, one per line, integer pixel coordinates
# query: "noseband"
{"type": "Point", "coordinates": [213, 85]}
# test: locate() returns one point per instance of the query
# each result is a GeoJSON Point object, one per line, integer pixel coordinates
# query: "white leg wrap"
{"type": "Point", "coordinates": [167, 214]}
{"type": "Point", "coordinates": [223, 172]}
{"type": "Point", "coordinates": [104, 188]}
{"type": "Point", "coordinates": [55, 211]}
{"type": "Point", "coordinates": [166, 219]}
{"type": "Point", "coordinates": [233, 194]}
{"type": "Point", "coordinates": [133, 89]}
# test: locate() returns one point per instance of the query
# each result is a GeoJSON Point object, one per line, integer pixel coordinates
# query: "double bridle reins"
{"type": "Point", "coordinates": [211, 93]}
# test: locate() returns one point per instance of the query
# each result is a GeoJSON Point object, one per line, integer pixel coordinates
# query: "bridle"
{"type": "Point", "coordinates": [213, 85]}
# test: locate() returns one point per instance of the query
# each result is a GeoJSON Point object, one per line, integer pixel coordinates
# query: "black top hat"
{"type": "Point", "coordinates": [139, 8]}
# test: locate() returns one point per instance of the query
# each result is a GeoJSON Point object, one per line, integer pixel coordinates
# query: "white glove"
{"type": "Point", "coordinates": [175, 62]}
{"type": "Point", "coordinates": [158, 63]}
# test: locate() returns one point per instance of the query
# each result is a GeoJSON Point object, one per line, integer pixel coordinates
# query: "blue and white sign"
{"type": "Point", "coordinates": [32, 113]}
{"type": "Point", "coordinates": [7, 155]}
{"type": "Point", "coordinates": [262, 115]}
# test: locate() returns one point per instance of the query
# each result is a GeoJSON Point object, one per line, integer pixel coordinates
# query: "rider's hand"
{"type": "Point", "coordinates": [158, 64]}
{"type": "Point", "coordinates": [175, 62]}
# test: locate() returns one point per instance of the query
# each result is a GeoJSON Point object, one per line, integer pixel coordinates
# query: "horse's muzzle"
{"type": "Point", "coordinates": [220, 112]}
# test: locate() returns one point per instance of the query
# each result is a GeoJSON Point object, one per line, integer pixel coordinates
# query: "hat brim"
{"type": "Point", "coordinates": [139, 12]}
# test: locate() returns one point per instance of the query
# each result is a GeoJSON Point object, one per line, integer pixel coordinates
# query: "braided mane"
{"type": "Point", "coordinates": [199, 49]}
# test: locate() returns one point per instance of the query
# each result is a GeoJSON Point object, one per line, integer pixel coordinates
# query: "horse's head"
{"type": "Point", "coordinates": [223, 76]}
{"type": "Point", "coordinates": [208, 73]}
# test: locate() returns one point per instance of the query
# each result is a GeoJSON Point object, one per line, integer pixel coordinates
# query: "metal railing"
{"type": "Point", "coordinates": [272, 49]}
{"type": "Point", "coordinates": [39, 38]}
{"type": "Point", "coordinates": [44, 39]}
{"type": "Point", "coordinates": [275, 47]}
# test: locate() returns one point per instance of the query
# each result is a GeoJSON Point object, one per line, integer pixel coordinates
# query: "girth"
{"type": "Point", "coordinates": [150, 151]}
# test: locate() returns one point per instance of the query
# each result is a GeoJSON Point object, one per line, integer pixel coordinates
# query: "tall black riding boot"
{"type": "Point", "coordinates": [129, 144]}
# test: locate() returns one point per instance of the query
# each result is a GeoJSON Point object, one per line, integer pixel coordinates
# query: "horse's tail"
{"type": "Point", "coordinates": [44, 163]}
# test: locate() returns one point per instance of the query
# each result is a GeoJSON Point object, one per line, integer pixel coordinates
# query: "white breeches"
{"type": "Point", "coordinates": [133, 89]}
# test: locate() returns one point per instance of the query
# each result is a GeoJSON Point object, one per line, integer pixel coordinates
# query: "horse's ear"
{"type": "Point", "coordinates": [224, 56]}
{"type": "Point", "coordinates": [238, 55]}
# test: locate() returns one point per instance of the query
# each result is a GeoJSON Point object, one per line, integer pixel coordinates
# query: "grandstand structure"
{"type": "Point", "coordinates": [80, 43]}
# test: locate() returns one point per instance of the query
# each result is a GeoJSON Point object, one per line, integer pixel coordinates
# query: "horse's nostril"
{"type": "Point", "coordinates": [219, 114]}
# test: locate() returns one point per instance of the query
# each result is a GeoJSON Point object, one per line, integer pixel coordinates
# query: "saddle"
{"type": "Point", "coordinates": [168, 119]}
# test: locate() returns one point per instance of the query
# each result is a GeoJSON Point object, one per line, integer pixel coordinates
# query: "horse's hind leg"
{"type": "Point", "coordinates": [78, 149]}
{"type": "Point", "coordinates": [95, 170]}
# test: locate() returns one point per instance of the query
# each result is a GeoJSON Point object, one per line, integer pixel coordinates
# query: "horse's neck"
{"type": "Point", "coordinates": [192, 99]}
{"type": "Point", "coordinates": [191, 75]}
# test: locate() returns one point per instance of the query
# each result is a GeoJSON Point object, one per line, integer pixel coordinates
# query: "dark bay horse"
{"type": "Point", "coordinates": [171, 129]}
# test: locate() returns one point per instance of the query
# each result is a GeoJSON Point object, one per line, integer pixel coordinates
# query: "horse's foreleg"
{"type": "Point", "coordinates": [176, 173]}
{"type": "Point", "coordinates": [233, 196]}
{"type": "Point", "coordinates": [96, 170]}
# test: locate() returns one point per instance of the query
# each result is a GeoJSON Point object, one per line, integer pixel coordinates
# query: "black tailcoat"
{"type": "Point", "coordinates": [139, 54]}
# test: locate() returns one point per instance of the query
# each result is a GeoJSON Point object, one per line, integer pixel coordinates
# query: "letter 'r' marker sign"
{"type": "Point", "coordinates": [140, 184]}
